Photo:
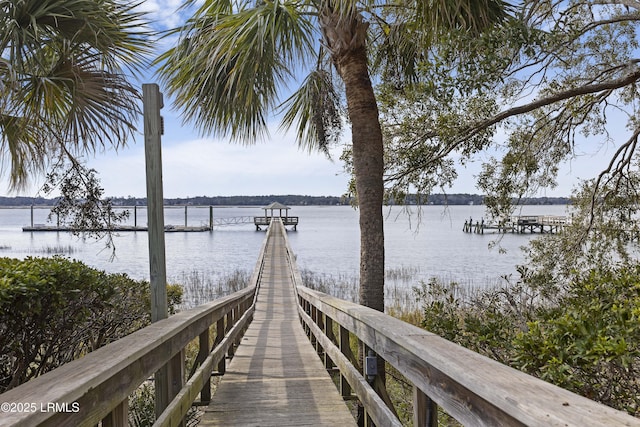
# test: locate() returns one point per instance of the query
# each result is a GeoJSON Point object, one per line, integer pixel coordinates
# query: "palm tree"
{"type": "Point", "coordinates": [63, 89]}
{"type": "Point", "coordinates": [234, 60]}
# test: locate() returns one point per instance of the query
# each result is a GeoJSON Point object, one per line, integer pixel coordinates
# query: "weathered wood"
{"type": "Point", "coordinates": [152, 103]}
{"type": "Point", "coordinates": [180, 405]}
{"type": "Point", "coordinates": [425, 411]}
{"type": "Point", "coordinates": [119, 417]}
{"type": "Point", "coordinates": [472, 388]}
{"type": "Point", "coordinates": [203, 352]}
{"type": "Point", "coordinates": [104, 378]}
{"type": "Point", "coordinates": [276, 377]}
{"type": "Point", "coordinates": [345, 349]}
{"type": "Point", "coordinates": [376, 407]}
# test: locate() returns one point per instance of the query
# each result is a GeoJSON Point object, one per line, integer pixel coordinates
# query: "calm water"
{"type": "Point", "coordinates": [327, 242]}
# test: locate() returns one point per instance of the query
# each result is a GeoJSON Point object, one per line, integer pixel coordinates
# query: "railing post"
{"type": "Point", "coordinates": [425, 411]}
{"type": "Point", "coordinates": [119, 417]}
{"type": "Point", "coordinates": [345, 348]}
{"type": "Point", "coordinates": [236, 316]}
{"type": "Point", "coordinates": [328, 331]}
{"type": "Point", "coordinates": [229, 325]}
{"type": "Point", "coordinates": [176, 376]}
{"type": "Point", "coordinates": [205, 393]}
{"type": "Point", "coordinates": [314, 318]}
{"type": "Point", "coordinates": [220, 332]}
{"type": "Point", "coordinates": [307, 309]}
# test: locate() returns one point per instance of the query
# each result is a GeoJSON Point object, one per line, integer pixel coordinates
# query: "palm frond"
{"type": "Point", "coordinates": [227, 71]}
{"type": "Point", "coordinates": [315, 110]}
{"type": "Point", "coordinates": [112, 27]}
{"type": "Point", "coordinates": [397, 52]}
{"type": "Point", "coordinates": [65, 88]}
{"type": "Point", "coordinates": [23, 149]}
{"type": "Point", "coordinates": [474, 16]}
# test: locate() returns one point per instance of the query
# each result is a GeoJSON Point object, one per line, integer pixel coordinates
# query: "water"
{"type": "Point", "coordinates": [429, 242]}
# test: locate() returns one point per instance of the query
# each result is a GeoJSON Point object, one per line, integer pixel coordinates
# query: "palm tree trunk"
{"type": "Point", "coordinates": [366, 137]}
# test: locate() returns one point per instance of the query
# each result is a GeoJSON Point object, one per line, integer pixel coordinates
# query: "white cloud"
{"type": "Point", "coordinates": [206, 166]}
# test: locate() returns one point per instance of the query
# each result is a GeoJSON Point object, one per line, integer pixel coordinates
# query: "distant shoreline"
{"type": "Point", "coordinates": [289, 200]}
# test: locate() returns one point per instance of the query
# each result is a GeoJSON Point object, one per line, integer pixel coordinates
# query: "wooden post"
{"type": "Point", "coordinates": [152, 103]}
{"type": "Point", "coordinates": [152, 99]}
{"type": "Point", "coordinates": [203, 353]}
{"type": "Point", "coordinates": [220, 333]}
{"type": "Point", "coordinates": [185, 216]}
{"type": "Point", "coordinates": [119, 417]}
{"type": "Point", "coordinates": [343, 337]}
{"type": "Point", "coordinates": [210, 218]}
{"type": "Point", "coordinates": [425, 411]}
{"type": "Point", "coordinates": [328, 331]}
{"type": "Point", "coordinates": [31, 216]}
{"type": "Point", "coordinates": [135, 215]}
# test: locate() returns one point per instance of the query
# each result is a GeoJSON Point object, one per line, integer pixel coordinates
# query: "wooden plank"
{"type": "Point", "coordinates": [276, 377]}
{"type": "Point", "coordinates": [470, 387]}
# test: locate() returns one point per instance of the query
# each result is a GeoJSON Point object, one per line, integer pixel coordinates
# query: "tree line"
{"type": "Point", "coordinates": [289, 200]}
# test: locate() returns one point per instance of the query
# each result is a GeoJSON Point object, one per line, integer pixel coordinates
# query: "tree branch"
{"type": "Point", "coordinates": [557, 97]}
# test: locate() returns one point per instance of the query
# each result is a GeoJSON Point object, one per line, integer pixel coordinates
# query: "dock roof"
{"type": "Point", "coordinates": [276, 205]}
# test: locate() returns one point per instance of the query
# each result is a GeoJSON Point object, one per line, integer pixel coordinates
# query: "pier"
{"type": "Point", "coordinates": [260, 222]}
{"type": "Point", "coordinates": [288, 356]}
{"type": "Point", "coordinates": [519, 224]}
{"type": "Point", "coordinates": [264, 221]}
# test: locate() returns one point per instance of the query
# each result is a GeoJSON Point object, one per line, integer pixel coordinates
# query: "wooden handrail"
{"type": "Point", "coordinates": [96, 387]}
{"type": "Point", "coordinates": [472, 388]}
{"type": "Point", "coordinates": [100, 381]}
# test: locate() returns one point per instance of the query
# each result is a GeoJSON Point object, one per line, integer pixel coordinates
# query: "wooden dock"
{"type": "Point", "coordinates": [275, 377]}
{"type": "Point", "coordinates": [264, 221]}
{"type": "Point", "coordinates": [118, 228]}
{"type": "Point", "coordinates": [519, 224]}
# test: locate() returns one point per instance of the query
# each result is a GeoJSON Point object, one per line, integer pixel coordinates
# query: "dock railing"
{"type": "Point", "coordinates": [95, 388]}
{"type": "Point", "coordinates": [472, 388]}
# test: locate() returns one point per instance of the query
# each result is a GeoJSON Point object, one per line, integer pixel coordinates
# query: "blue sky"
{"type": "Point", "coordinates": [195, 165]}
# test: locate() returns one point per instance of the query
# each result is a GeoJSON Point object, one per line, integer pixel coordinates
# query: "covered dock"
{"type": "Point", "coordinates": [264, 221]}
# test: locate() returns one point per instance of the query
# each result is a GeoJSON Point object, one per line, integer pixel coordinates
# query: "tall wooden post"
{"type": "Point", "coordinates": [152, 103]}
{"type": "Point", "coordinates": [152, 99]}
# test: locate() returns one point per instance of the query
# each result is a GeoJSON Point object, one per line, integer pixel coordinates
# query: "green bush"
{"type": "Point", "coordinates": [54, 310]}
{"type": "Point", "coordinates": [590, 344]}
{"type": "Point", "coordinates": [585, 339]}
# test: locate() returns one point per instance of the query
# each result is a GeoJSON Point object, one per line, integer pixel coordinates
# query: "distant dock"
{"type": "Point", "coordinates": [260, 222]}
{"type": "Point", "coordinates": [117, 228]}
{"type": "Point", "coordinates": [519, 224]}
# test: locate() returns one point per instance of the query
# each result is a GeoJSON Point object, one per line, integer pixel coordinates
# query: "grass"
{"type": "Point", "coordinates": [200, 287]}
{"type": "Point", "coordinates": [56, 250]}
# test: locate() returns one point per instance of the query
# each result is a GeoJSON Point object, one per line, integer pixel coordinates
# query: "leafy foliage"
{"type": "Point", "coordinates": [556, 81]}
{"type": "Point", "coordinates": [54, 310]}
{"type": "Point", "coordinates": [81, 206]}
{"type": "Point", "coordinates": [584, 337]}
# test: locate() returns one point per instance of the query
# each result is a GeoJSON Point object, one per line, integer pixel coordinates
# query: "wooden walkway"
{"type": "Point", "coordinates": [275, 377]}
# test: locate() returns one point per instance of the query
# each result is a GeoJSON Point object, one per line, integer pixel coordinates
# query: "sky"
{"type": "Point", "coordinates": [197, 165]}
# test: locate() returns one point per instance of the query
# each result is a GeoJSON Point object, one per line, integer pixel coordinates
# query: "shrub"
{"type": "Point", "coordinates": [54, 310]}
{"type": "Point", "coordinates": [586, 338]}
{"type": "Point", "coordinates": [591, 344]}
